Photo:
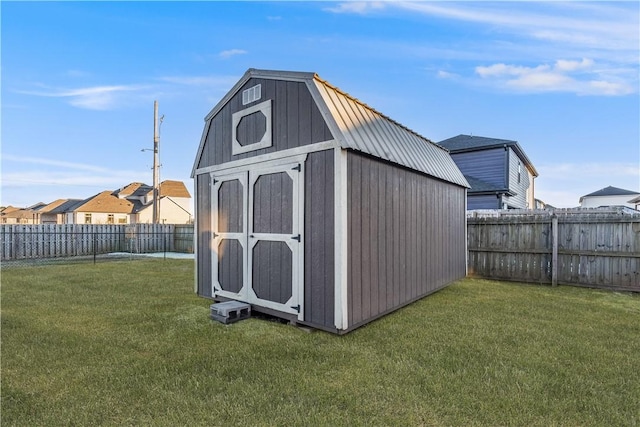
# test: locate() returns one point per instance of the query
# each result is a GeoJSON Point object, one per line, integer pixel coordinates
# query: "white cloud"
{"type": "Point", "coordinates": [585, 48]}
{"type": "Point", "coordinates": [568, 65]}
{"type": "Point", "coordinates": [226, 54]}
{"type": "Point", "coordinates": [32, 179]}
{"type": "Point", "coordinates": [51, 162]}
{"type": "Point", "coordinates": [562, 184]}
{"type": "Point", "coordinates": [446, 75]}
{"type": "Point", "coordinates": [91, 98]}
{"type": "Point", "coordinates": [580, 77]}
{"type": "Point", "coordinates": [358, 7]}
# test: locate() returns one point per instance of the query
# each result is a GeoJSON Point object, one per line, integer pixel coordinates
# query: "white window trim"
{"type": "Point", "coordinates": [265, 142]}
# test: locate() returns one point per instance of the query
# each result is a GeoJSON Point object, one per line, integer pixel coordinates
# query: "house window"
{"type": "Point", "coordinates": [122, 220]}
{"type": "Point", "coordinates": [110, 219]}
{"type": "Point", "coordinates": [87, 218]}
{"type": "Point", "coordinates": [519, 171]}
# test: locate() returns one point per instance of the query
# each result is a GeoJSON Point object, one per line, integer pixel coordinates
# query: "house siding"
{"type": "Point", "coordinates": [296, 121]}
{"type": "Point", "coordinates": [519, 200]}
{"type": "Point", "coordinates": [483, 201]}
{"type": "Point", "coordinates": [487, 165]}
{"type": "Point", "coordinates": [406, 236]}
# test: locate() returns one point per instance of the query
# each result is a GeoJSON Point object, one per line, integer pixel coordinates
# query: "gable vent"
{"type": "Point", "coordinates": [252, 94]}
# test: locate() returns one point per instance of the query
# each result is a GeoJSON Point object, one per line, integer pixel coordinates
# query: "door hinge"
{"type": "Point", "coordinates": [297, 168]}
{"type": "Point", "coordinates": [215, 235]}
{"type": "Point", "coordinates": [214, 181]}
{"type": "Point", "coordinates": [296, 308]}
{"type": "Point", "coordinates": [296, 237]}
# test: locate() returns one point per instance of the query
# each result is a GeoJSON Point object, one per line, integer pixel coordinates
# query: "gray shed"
{"type": "Point", "coordinates": [312, 206]}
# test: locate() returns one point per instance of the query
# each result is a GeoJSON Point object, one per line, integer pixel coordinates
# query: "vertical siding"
{"type": "Point", "coordinates": [203, 222]}
{"type": "Point", "coordinates": [296, 121]}
{"type": "Point", "coordinates": [406, 236]}
{"type": "Point", "coordinates": [319, 300]}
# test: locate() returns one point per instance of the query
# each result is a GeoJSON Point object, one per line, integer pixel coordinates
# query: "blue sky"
{"type": "Point", "coordinates": [79, 80]}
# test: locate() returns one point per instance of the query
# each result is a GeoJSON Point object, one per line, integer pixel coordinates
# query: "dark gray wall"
{"type": "Point", "coordinates": [487, 165]}
{"type": "Point", "coordinates": [406, 236]}
{"type": "Point", "coordinates": [484, 201]}
{"type": "Point", "coordinates": [296, 121]}
{"type": "Point", "coordinates": [203, 230]}
{"type": "Point", "coordinates": [319, 274]}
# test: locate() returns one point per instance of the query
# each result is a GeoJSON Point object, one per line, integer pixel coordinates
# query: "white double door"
{"type": "Point", "coordinates": [258, 241]}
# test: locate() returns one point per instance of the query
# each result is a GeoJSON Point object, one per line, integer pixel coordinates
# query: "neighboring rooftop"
{"type": "Point", "coordinates": [465, 143]}
{"type": "Point", "coordinates": [611, 191]}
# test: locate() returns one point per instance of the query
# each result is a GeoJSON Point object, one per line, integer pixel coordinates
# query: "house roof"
{"type": "Point", "coordinates": [611, 191]}
{"type": "Point", "coordinates": [173, 189]}
{"type": "Point", "coordinates": [167, 188]}
{"type": "Point", "coordinates": [67, 206]}
{"type": "Point", "coordinates": [105, 202]}
{"type": "Point", "coordinates": [478, 185]}
{"type": "Point", "coordinates": [359, 127]}
{"type": "Point", "coordinates": [467, 143]}
{"type": "Point", "coordinates": [128, 189]}
{"type": "Point", "coordinates": [634, 200]}
{"type": "Point", "coordinates": [13, 212]}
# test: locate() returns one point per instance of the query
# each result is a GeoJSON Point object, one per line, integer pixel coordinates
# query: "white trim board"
{"type": "Point", "coordinates": [258, 160]}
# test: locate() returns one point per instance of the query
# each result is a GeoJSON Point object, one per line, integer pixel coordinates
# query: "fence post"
{"type": "Point", "coordinates": [554, 250]}
{"type": "Point", "coordinates": [95, 245]}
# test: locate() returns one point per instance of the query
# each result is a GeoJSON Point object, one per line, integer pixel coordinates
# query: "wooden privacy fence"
{"type": "Point", "coordinates": [69, 240]}
{"type": "Point", "coordinates": [595, 248]}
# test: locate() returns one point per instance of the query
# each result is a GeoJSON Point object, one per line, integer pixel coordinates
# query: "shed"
{"type": "Point", "coordinates": [314, 207]}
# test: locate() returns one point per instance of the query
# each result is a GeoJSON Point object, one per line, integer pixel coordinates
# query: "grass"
{"type": "Point", "coordinates": [127, 342]}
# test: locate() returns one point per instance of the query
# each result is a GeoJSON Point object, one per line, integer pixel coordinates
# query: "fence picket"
{"type": "Point", "coordinates": [20, 241]}
{"type": "Point", "coordinates": [594, 248]}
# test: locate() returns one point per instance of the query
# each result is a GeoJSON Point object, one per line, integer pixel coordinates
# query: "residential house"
{"type": "Point", "coordinates": [611, 196]}
{"type": "Point", "coordinates": [499, 172]}
{"type": "Point", "coordinates": [14, 215]}
{"type": "Point", "coordinates": [175, 202]}
{"type": "Point", "coordinates": [55, 212]}
{"type": "Point", "coordinates": [103, 208]}
{"type": "Point", "coordinates": [130, 204]}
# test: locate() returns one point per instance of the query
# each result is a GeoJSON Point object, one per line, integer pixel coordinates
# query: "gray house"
{"type": "Point", "coordinates": [499, 172]}
{"type": "Point", "coordinates": [314, 207]}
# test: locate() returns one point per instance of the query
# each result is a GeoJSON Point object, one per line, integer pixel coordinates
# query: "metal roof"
{"type": "Point", "coordinates": [364, 129]}
{"type": "Point", "coordinates": [357, 126]}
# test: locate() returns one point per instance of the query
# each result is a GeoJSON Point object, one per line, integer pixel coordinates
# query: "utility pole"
{"type": "Point", "coordinates": [156, 165]}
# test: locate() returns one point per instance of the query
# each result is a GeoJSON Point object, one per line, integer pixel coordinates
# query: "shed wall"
{"type": "Point", "coordinates": [406, 236]}
{"type": "Point", "coordinates": [203, 222]}
{"type": "Point", "coordinates": [296, 121]}
{"type": "Point", "coordinates": [319, 299]}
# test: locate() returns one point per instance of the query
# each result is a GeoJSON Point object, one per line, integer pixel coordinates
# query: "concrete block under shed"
{"type": "Point", "coordinates": [230, 311]}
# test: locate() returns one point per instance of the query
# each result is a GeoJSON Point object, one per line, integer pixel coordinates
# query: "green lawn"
{"type": "Point", "coordinates": [128, 343]}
